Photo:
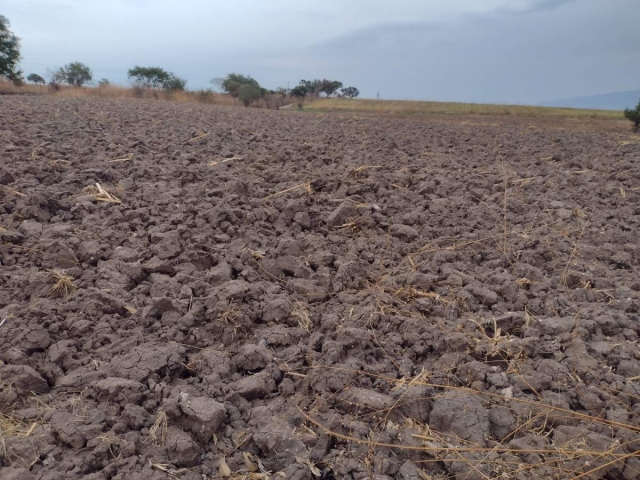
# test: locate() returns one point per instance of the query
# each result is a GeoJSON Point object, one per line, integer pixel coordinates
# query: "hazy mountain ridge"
{"type": "Point", "coordinates": [607, 101]}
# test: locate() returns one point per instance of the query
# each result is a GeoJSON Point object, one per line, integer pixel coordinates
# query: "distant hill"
{"type": "Point", "coordinates": [607, 101]}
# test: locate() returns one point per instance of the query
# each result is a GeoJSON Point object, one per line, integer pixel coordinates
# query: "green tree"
{"type": "Point", "coordinates": [104, 82]}
{"type": "Point", "coordinates": [149, 77]}
{"type": "Point", "coordinates": [300, 91]}
{"type": "Point", "coordinates": [9, 52]}
{"type": "Point", "coordinates": [174, 83]}
{"type": "Point", "coordinates": [634, 116]}
{"type": "Point", "coordinates": [249, 93]}
{"type": "Point", "coordinates": [35, 78]}
{"type": "Point", "coordinates": [312, 86]}
{"type": "Point", "coordinates": [350, 92]}
{"type": "Point", "coordinates": [233, 82]}
{"type": "Point", "coordinates": [76, 74]}
{"type": "Point", "coordinates": [329, 87]}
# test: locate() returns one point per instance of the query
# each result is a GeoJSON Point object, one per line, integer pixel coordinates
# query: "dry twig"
{"type": "Point", "coordinates": [306, 186]}
{"type": "Point", "coordinates": [122, 159]}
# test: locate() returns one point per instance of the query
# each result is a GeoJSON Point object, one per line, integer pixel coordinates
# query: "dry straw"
{"type": "Point", "coordinates": [306, 186]}
{"type": "Point", "coordinates": [158, 431]}
{"type": "Point", "coordinates": [126, 158]}
{"type": "Point", "coordinates": [63, 285]}
{"type": "Point", "coordinates": [101, 194]}
{"type": "Point", "coordinates": [12, 427]}
{"type": "Point", "coordinates": [573, 459]}
{"type": "Point", "coordinates": [213, 163]}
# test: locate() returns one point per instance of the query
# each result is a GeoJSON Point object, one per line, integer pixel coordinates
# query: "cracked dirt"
{"type": "Point", "coordinates": [253, 294]}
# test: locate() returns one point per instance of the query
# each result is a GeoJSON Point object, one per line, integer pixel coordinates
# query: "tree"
{"type": "Point", "coordinates": [56, 77]}
{"type": "Point", "coordinates": [149, 77]}
{"type": "Point", "coordinates": [174, 83]}
{"type": "Point", "coordinates": [634, 116]}
{"type": "Point", "coordinates": [249, 93]}
{"type": "Point", "coordinates": [76, 74]}
{"type": "Point", "coordinates": [329, 87]}
{"type": "Point", "coordinates": [350, 92]}
{"type": "Point", "coordinates": [104, 82]}
{"type": "Point", "coordinates": [300, 91]}
{"type": "Point", "coordinates": [9, 52]}
{"type": "Point", "coordinates": [35, 78]}
{"type": "Point", "coordinates": [312, 86]}
{"type": "Point", "coordinates": [234, 81]}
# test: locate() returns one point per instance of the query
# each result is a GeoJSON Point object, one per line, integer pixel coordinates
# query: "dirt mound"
{"type": "Point", "coordinates": [199, 292]}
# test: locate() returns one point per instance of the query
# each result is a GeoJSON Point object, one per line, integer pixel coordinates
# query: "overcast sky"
{"type": "Point", "coordinates": [505, 51]}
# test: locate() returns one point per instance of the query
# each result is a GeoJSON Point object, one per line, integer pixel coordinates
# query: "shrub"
{"type": "Point", "coordinates": [248, 94]}
{"type": "Point", "coordinates": [206, 95]}
{"type": "Point", "coordinates": [137, 91]}
{"type": "Point", "coordinates": [103, 83]}
{"type": "Point", "coordinates": [634, 116]}
{"type": "Point", "coordinates": [56, 77]}
{"type": "Point", "coordinates": [174, 83]}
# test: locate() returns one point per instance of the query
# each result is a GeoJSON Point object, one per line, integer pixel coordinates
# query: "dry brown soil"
{"type": "Point", "coordinates": [296, 295]}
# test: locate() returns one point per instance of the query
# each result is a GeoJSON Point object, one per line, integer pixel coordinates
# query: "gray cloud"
{"type": "Point", "coordinates": [538, 5]}
{"type": "Point", "coordinates": [495, 50]}
{"type": "Point", "coordinates": [523, 56]}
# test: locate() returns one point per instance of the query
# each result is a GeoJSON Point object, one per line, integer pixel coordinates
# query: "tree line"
{"type": "Point", "coordinates": [328, 87]}
{"type": "Point", "coordinates": [77, 74]}
{"type": "Point", "coordinates": [243, 87]}
{"type": "Point", "coordinates": [248, 90]}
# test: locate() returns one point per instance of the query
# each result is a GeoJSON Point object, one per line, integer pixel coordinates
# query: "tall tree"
{"type": "Point", "coordinates": [9, 52]}
{"type": "Point", "coordinates": [234, 81]}
{"type": "Point", "coordinates": [329, 87]}
{"type": "Point", "coordinates": [350, 92]}
{"type": "Point", "coordinates": [300, 91]}
{"type": "Point", "coordinates": [35, 78]}
{"type": "Point", "coordinates": [313, 86]}
{"type": "Point", "coordinates": [149, 77]}
{"type": "Point", "coordinates": [76, 74]}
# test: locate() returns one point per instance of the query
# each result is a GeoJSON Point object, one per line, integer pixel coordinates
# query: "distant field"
{"type": "Point", "coordinates": [114, 91]}
{"type": "Point", "coordinates": [399, 107]}
{"type": "Point", "coordinates": [446, 108]}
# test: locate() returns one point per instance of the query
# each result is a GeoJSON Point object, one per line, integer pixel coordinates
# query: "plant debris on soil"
{"type": "Point", "coordinates": [199, 292]}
